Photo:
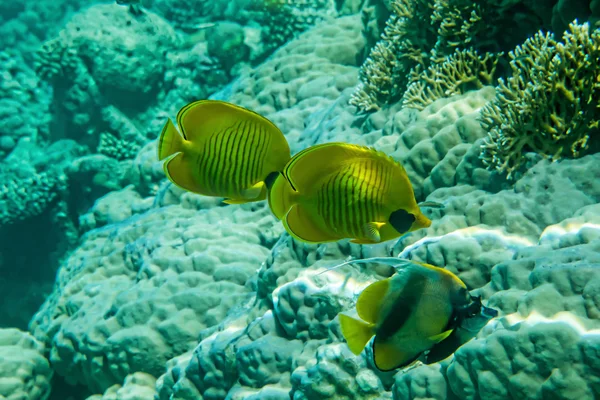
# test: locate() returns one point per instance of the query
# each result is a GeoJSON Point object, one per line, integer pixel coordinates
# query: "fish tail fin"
{"type": "Point", "coordinates": [356, 332]}
{"type": "Point", "coordinates": [170, 142]}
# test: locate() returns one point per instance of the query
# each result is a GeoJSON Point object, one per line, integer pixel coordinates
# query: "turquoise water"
{"type": "Point", "coordinates": [118, 284]}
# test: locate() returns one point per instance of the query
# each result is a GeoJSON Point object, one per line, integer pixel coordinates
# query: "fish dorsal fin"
{"type": "Point", "coordinates": [443, 272]}
{"type": "Point", "coordinates": [371, 299]}
{"type": "Point", "coordinates": [312, 164]}
{"type": "Point", "coordinates": [200, 119]}
{"type": "Point", "coordinates": [388, 356]}
{"type": "Point", "coordinates": [301, 226]}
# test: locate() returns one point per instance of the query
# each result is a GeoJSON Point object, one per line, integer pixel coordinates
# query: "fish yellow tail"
{"type": "Point", "coordinates": [170, 141]}
{"type": "Point", "coordinates": [357, 333]}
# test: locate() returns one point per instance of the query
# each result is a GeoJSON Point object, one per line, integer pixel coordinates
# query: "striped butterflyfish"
{"type": "Point", "coordinates": [334, 191]}
{"type": "Point", "coordinates": [407, 314]}
{"type": "Point", "coordinates": [222, 150]}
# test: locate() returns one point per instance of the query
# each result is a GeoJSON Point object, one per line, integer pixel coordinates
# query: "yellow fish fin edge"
{"type": "Point", "coordinates": [438, 338]}
{"type": "Point", "coordinates": [170, 141]}
{"type": "Point", "coordinates": [370, 301]}
{"type": "Point", "coordinates": [317, 161]}
{"type": "Point", "coordinates": [178, 169]}
{"type": "Point", "coordinates": [300, 225]}
{"type": "Point", "coordinates": [357, 333]}
{"type": "Point", "coordinates": [388, 357]}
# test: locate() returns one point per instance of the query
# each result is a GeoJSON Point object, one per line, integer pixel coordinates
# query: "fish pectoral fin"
{"type": "Point", "coordinates": [237, 201]}
{"type": "Point", "coordinates": [371, 299]}
{"type": "Point", "coordinates": [371, 231]}
{"type": "Point", "coordinates": [301, 226]}
{"type": "Point", "coordinates": [357, 333]}
{"type": "Point", "coordinates": [361, 241]}
{"type": "Point", "coordinates": [256, 192]}
{"type": "Point", "coordinates": [178, 169]}
{"type": "Point", "coordinates": [438, 338]}
{"type": "Point", "coordinates": [388, 356]}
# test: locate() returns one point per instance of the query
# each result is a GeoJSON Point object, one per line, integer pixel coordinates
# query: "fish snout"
{"type": "Point", "coordinates": [421, 221]}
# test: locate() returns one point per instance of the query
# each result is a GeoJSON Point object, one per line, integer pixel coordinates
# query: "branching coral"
{"type": "Point", "coordinates": [550, 104]}
{"type": "Point", "coordinates": [422, 34]}
{"type": "Point", "coordinates": [404, 46]}
{"type": "Point", "coordinates": [462, 71]}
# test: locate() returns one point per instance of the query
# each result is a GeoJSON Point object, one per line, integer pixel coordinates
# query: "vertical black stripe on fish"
{"type": "Point", "coordinates": [328, 204]}
{"type": "Point", "coordinates": [345, 200]}
{"type": "Point", "coordinates": [236, 158]}
{"type": "Point", "coordinates": [210, 151]}
{"type": "Point", "coordinates": [403, 305]}
{"type": "Point", "coordinates": [222, 155]}
{"type": "Point", "coordinates": [362, 194]}
{"type": "Point", "coordinates": [259, 142]}
{"type": "Point", "coordinates": [375, 191]}
{"type": "Point", "coordinates": [248, 155]}
{"type": "Point", "coordinates": [263, 154]}
{"type": "Point", "coordinates": [355, 172]}
{"type": "Point", "coordinates": [233, 151]}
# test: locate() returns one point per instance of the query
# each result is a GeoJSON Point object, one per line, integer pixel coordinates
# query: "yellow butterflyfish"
{"type": "Point", "coordinates": [334, 191]}
{"type": "Point", "coordinates": [222, 150]}
{"type": "Point", "coordinates": [414, 311]}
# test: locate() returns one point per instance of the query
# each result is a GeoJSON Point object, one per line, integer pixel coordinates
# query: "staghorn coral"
{"type": "Point", "coordinates": [550, 104]}
{"type": "Point", "coordinates": [405, 42]}
{"type": "Point", "coordinates": [460, 72]}
{"type": "Point", "coordinates": [423, 34]}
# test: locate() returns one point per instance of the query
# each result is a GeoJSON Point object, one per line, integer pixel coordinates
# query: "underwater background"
{"type": "Point", "coordinates": [116, 284]}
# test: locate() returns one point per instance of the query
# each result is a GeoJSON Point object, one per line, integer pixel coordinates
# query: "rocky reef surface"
{"type": "Point", "coordinates": [138, 290]}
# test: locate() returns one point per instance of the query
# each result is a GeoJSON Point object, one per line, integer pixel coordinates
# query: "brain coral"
{"type": "Point", "coordinates": [24, 371]}
{"type": "Point", "coordinates": [130, 298]}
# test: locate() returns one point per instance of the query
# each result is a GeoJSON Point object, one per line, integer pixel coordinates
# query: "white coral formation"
{"type": "Point", "coordinates": [24, 371]}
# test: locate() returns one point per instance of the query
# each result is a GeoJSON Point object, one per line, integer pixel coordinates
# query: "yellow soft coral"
{"type": "Point", "coordinates": [550, 104]}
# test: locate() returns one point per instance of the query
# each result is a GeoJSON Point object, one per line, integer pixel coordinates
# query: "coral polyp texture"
{"type": "Point", "coordinates": [132, 288]}
{"type": "Point", "coordinates": [24, 371]}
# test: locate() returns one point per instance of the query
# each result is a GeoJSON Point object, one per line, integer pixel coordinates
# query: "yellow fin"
{"type": "Point", "coordinates": [256, 192]}
{"type": "Point", "coordinates": [170, 141]}
{"type": "Point", "coordinates": [371, 231]}
{"type": "Point", "coordinates": [387, 356]}
{"type": "Point", "coordinates": [357, 333]}
{"type": "Point", "coordinates": [370, 300]}
{"type": "Point", "coordinates": [441, 336]}
{"type": "Point", "coordinates": [237, 201]}
{"type": "Point", "coordinates": [301, 226]}
{"type": "Point", "coordinates": [306, 167]}
{"type": "Point", "coordinates": [178, 169]}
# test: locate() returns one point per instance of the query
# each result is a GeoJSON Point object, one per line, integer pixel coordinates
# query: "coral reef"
{"type": "Point", "coordinates": [550, 104]}
{"type": "Point", "coordinates": [24, 103]}
{"type": "Point", "coordinates": [24, 371]}
{"type": "Point", "coordinates": [421, 35]}
{"type": "Point", "coordinates": [164, 294]}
